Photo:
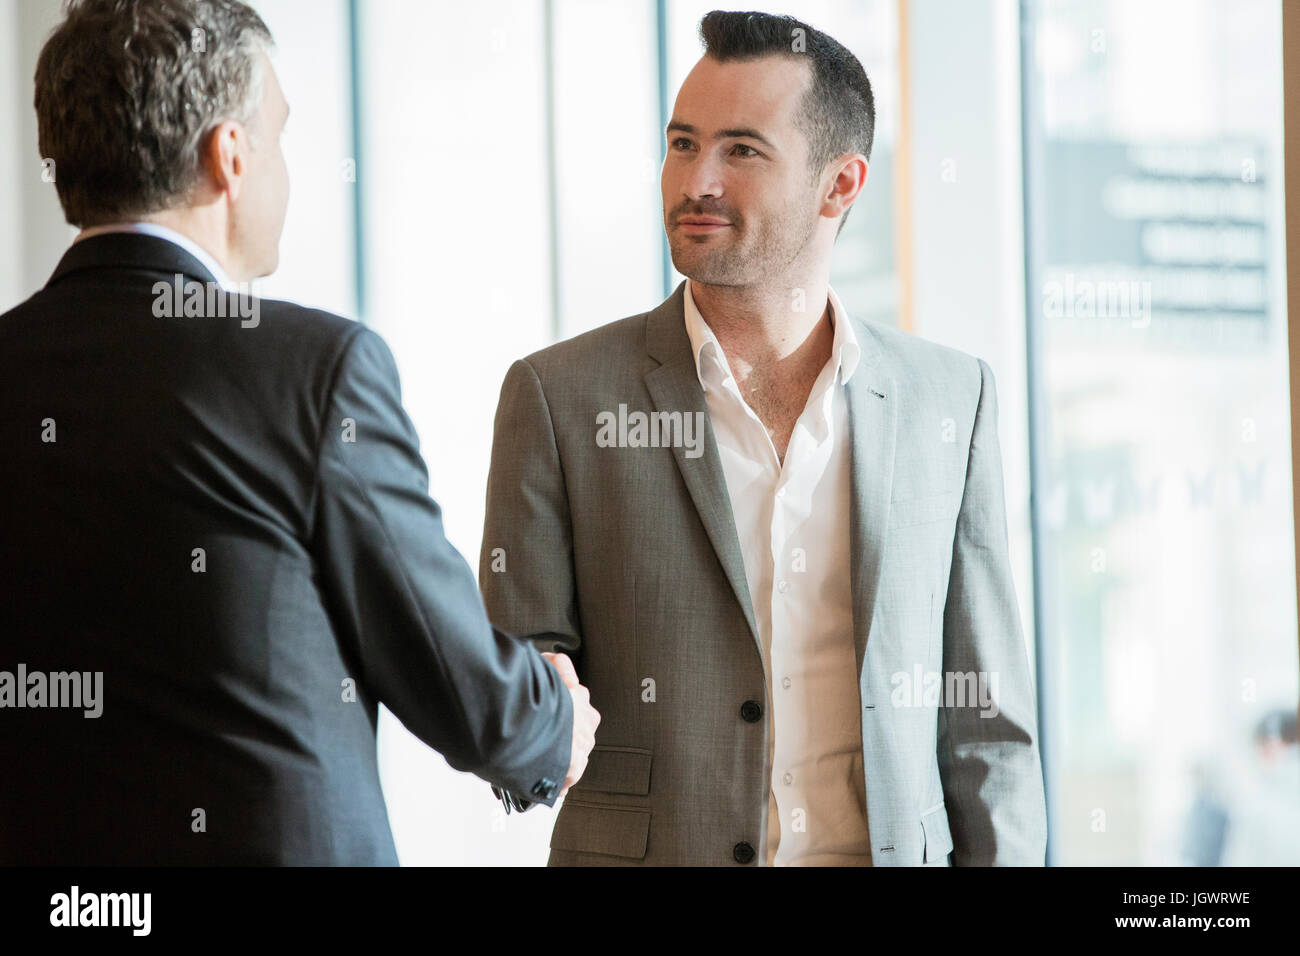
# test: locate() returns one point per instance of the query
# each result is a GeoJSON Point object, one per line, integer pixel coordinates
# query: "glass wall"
{"type": "Point", "coordinates": [1162, 480]}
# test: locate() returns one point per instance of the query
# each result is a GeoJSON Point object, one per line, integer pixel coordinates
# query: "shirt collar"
{"type": "Point", "coordinates": [208, 261]}
{"type": "Point", "coordinates": [709, 356]}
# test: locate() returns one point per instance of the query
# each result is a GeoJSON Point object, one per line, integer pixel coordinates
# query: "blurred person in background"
{"type": "Point", "coordinates": [1263, 808]}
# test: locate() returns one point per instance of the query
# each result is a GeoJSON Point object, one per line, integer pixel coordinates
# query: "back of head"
{"type": "Point", "coordinates": [126, 91]}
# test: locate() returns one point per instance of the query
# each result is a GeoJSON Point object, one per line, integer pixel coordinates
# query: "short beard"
{"type": "Point", "coordinates": [778, 242]}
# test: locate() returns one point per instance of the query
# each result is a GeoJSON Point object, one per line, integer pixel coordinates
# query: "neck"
{"type": "Point", "coordinates": [206, 228]}
{"type": "Point", "coordinates": [770, 330]}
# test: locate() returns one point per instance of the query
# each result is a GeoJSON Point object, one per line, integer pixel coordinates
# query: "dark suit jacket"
{"type": "Point", "coordinates": [241, 682]}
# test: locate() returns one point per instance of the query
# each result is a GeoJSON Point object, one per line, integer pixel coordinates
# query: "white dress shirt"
{"type": "Point", "coordinates": [171, 235]}
{"type": "Point", "coordinates": [793, 523]}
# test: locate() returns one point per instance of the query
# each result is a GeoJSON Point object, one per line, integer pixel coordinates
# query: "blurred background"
{"type": "Point", "coordinates": [1086, 194]}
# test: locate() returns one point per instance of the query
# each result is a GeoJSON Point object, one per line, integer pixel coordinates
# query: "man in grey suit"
{"type": "Point", "coordinates": [773, 536]}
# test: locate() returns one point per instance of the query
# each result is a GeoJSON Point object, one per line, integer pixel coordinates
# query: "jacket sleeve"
{"type": "Point", "coordinates": [526, 564]}
{"type": "Point", "coordinates": [406, 602]}
{"type": "Point", "coordinates": [988, 756]}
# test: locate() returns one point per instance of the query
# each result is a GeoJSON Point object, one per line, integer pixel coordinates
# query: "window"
{"type": "Point", "coordinates": [1158, 358]}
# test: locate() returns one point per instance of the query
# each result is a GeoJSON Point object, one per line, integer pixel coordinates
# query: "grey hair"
{"type": "Point", "coordinates": [127, 91]}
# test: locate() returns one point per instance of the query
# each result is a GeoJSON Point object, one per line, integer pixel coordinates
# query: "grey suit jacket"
{"type": "Point", "coordinates": [628, 558]}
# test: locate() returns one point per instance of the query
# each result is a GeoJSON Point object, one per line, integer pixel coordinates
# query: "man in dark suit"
{"type": "Point", "coordinates": [218, 551]}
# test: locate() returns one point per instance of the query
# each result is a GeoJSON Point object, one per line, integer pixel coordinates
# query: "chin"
{"type": "Point", "coordinates": [707, 270]}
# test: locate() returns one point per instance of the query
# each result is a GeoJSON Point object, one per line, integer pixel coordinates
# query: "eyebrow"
{"type": "Point", "coordinates": [743, 132]}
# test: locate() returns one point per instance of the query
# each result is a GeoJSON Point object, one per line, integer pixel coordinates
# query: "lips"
{"type": "Point", "coordinates": [699, 225]}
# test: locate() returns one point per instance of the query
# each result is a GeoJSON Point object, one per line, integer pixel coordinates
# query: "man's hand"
{"type": "Point", "coordinates": [585, 718]}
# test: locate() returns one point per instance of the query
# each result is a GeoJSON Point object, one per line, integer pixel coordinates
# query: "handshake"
{"type": "Point", "coordinates": [585, 720]}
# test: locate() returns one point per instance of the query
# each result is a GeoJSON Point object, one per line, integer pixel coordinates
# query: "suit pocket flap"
{"type": "Point", "coordinates": [615, 831]}
{"type": "Point", "coordinates": [938, 837]}
{"type": "Point", "coordinates": [617, 770]}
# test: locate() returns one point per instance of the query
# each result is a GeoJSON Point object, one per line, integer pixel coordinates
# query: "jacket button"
{"type": "Point", "coordinates": [743, 853]}
{"type": "Point", "coordinates": [751, 711]}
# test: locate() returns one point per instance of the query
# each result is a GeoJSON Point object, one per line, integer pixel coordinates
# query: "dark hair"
{"type": "Point", "coordinates": [126, 91]}
{"type": "Point", "coordinates": [839, 111]}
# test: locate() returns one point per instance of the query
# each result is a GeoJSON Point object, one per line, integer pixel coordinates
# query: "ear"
{"type": "Point", "coordinates": [847, 179]}
{"type": "Point", "coordinates": [225, 158]}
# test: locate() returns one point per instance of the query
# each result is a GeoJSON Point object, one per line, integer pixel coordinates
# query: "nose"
{"type": "Point", "coordinates": [703, 179]}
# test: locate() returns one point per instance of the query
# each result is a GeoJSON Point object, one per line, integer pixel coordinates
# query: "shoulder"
{"type": "Point", "coordinates": [588, 367]}
{"type": "Point", "coordinates": [317, 343]}
{"type": "Point", "coordinates": [304, 328]}
{"type": "Point", "coordinates": [919, 361]}
{"type": "Point", "coordinates": [613, 343]}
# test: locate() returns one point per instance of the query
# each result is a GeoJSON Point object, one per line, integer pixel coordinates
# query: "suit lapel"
{"type": "Point", "coordinates": [674, 386]}
{"type": "Point", "coordinates": [873, 423]}
{"type": "Point", "coordinates": [871, 398]}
